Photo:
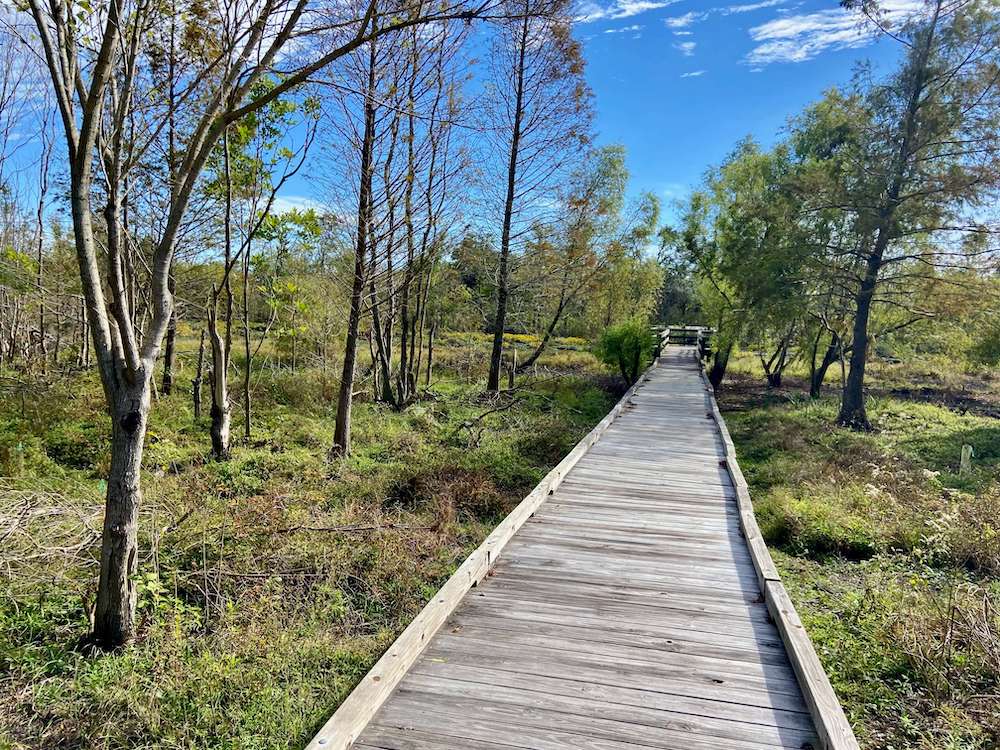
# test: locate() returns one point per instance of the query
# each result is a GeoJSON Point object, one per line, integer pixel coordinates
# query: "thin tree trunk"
{"type": "Point", "coordinates": [196, 382]}
{"type": "Point", "coordinates": [430, 353]}
{"type": "Point", "coordinates": [342, 429]}
{"type": "Point", "coordinates": [43, 189]}
{"type": "Point", "coordinates": [247, 352]}
{"type": "Point", "coordinates": [221, 413]}
{"type": "Point", "coordinates": [547, 336]}
{"type": "Point", "coordinates": [818, 374]}
{"type": "Point", "coordinates": [171, 336]}
{"type": "Point", "coordinates": [503, 272]}
{"type": "Point", "coordinates": [169, 345]}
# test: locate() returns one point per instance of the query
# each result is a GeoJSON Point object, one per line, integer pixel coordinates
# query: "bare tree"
{"type": "Point", "coordinates": [538, 112]}
{"type": "Point", "coordinates": [396, 127]}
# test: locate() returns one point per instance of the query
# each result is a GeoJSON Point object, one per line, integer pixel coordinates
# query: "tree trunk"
{"type": "Point", "coordinates": [114, 617]}
{"type": "Point", "coordinates": [852, 404]}
{"type": "Point", "coordinates": [247, 352]}
{"type": "Point", "coordinates": [818, 374]}
{"type": "Point", "coordinates": [774, 367]}
{"type": "Point", "coordinates": [169, 346]}
{"type": "Point", "coordinates": [220, 412]}
{"type": "Point", "coordinates": [430, 353]}
{"type": "Point", "coordinates": [503, 272]}
{"type": "Point", "coordinates": [342, 429]}
{"type": "Point", "coordinates": [720, 361]}
{"type": "Point", "coordinates": [196, 382]}
{"type": "Point", "coordinates": [546, 337]}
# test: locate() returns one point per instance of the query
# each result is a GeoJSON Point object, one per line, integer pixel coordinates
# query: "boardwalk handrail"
{"type": "Point", "coordinates": [831, 723]}
{"type": "Point", "coordinates": [353, 715]}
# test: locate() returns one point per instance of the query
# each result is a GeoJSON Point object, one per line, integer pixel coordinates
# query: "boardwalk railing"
{"type": "Point", "coordinates": [834, 730]}
{"type": "Point", "coordinates": [831, 726]}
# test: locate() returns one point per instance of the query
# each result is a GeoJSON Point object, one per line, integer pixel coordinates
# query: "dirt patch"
{"type": "Point", "coordinates": [743, 392]}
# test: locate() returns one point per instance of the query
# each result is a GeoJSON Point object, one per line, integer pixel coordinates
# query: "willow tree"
{"type": "Point", "coordinates": [742, 237]}
{"type": "Point", "coordinates": [98, 60]}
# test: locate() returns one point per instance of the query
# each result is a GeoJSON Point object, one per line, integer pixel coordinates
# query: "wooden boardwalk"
{"type": "Point", "coordinates": [627, 611]}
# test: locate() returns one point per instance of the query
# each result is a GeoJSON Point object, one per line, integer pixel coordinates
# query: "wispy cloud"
{"type": "Point", "coordinates": [591, 11]}
{"type": "Point", "coordinates": [625, 29]}
{"type": "Point", "coordinates": [694, 16]}
{"type": "Point", "coordinates": [749, 7]}
{"type": "Point", "coordinates": [802, 37]}
{"type": "Point", "coordinates": [693, 74]}
{"type": "Point", "coordinates": [683, 33]}
{"type": "Point", "coordinates": [679, 22]}
{"type": "Point", "coordinates": [686, 48]}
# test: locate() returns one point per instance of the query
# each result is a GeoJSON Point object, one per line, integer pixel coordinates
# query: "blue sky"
{"type": "Point", "coordinates": [679, 82]}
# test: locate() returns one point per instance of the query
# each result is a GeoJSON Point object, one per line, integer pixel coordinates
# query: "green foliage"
{"type": "Point", "coordinates": [16, 269]}
{"type": "Point", "coordinates": [986, 350]}
{"type": "Point", "coordinates": [627, 347]}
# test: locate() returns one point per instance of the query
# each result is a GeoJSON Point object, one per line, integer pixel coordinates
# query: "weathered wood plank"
{"type": "Point", "coordinates": [634, 606]}
{"type": "Point", "coordinates": [356, 711]}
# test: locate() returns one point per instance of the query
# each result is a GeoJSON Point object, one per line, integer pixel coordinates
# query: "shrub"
{"type": "Point", "coordinates": [627, 347]}
{"type": "Point", "coordinates": [986, 351]}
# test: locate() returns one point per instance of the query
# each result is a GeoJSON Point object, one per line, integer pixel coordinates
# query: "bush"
{"type": "Point", "coordinates": [987, 350]}
{"type": "Point", "coordinates": [627, 347]}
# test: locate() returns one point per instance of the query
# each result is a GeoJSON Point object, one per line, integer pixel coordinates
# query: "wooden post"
{"type": "Point", "coordinates": [965, 464]}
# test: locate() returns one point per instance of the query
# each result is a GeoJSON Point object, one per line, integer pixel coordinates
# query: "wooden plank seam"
{"type": "Point", "coordinates": [832, 727]}
{"type": "Point", "coordinates": [357, 710]}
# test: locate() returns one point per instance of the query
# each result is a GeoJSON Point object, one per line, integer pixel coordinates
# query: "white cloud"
{"type": "Point", "coordinates": [591, 11]}
{"type": "Point", "coordinates": [691, 17]}
{"type": "Point", "coordinates": [683, 33]}
{"type": "Point", "coordinates": [693, 74]}
{"type": "Point", "coordinates": [679, 22]}
{"type": "Point", "coordinates": [285, 203]}
{"type": "Point", "coordinates": [686, 48]}
{"type": "Point", "coordinates": [672, 191]}
{"type": "Point", "coordinates": [751, 6]}
{"type": "Point", "coordinates": [624, 29]}
{"type": "Point", "coordinates": [804, 36]}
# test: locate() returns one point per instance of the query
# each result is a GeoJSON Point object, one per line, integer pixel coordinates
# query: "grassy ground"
{"type": "Point", "coordinates": [270, 583]}
{"type": "Point", "coordinates": [891, 554]}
